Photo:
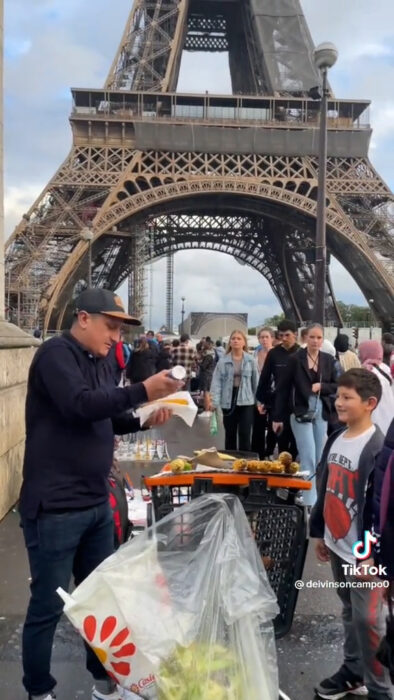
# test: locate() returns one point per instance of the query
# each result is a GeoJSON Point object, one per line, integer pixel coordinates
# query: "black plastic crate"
{"type": "Point", "coordinates": [165, 499]}
{"type": "Point", "coordinates": [278, 524]}
{"type": "Point", "coordinates": [281, 536]}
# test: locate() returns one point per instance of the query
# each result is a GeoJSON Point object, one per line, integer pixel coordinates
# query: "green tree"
{"type": "Point", "coordinates": [274, 320]}
{"type": "Point", "coordinates": [356, 315]}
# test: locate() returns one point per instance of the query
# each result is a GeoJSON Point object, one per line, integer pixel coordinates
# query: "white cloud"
{"type": "Point", "coordinates": [17, 202]}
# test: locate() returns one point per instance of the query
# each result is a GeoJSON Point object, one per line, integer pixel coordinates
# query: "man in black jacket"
{"type": "Point", "coordinates": [73, 409]}
{"type": "Point", "coordinates": [274, 366]}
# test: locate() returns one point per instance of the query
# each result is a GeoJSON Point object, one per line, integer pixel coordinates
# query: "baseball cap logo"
{"type": "Point", "coordinates": [118, 302]}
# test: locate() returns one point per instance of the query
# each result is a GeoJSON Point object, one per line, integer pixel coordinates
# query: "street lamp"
{"type": "Point", "coordinates": [325, 56]}
{"type": "Point", "coordinates": [183, 314]}
{"type": "Point", "coordinates": [87, 235]}
{"type": "Point", "coordinates": [370, 317]}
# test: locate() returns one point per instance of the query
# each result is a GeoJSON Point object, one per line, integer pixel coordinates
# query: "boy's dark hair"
{"type": "Point", "coordinates": [287, 325]}
{"type": "Point", "coordinates": [184, 338]}
{"type": "Point", "coordinates": [363, 381]}
{"type": "Point", "coordinates": [218, 343]}
{"type": "Point", "coordinates": [175, 343]}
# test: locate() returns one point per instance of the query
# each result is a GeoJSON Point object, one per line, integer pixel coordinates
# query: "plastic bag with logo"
{"type": "Point", "coordinates": [185, 610]}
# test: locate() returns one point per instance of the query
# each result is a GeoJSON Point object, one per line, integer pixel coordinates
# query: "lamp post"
{"type": "Point", "coordinates": [370, 317]}
{"type": "Point", "coordinates": [87, 235]}
{"type": "Point", "coordinates": [325, 56]}
{"type": "Point", "coordinates": [183, 315]}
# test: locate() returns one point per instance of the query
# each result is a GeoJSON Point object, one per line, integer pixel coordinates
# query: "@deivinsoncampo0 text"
{"type": "Point", "coordinates": [341, 584]}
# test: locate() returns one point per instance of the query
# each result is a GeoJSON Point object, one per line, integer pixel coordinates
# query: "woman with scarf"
{"type": "Point", "coordinates": [347, 358]}
{"type": "Point", "coordinates": [371, 357]}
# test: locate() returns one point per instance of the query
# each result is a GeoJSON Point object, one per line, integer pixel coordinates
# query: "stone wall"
{"type": "Point", "coordinates": [16, 353]}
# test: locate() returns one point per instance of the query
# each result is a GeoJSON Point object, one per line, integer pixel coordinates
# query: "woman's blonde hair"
{"type": "Point", "coordinates": [142, 345]}
{"type": "Point", "coordinates": [245, 347]}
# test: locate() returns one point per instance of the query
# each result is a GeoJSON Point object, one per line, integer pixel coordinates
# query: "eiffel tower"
{"type": "Point", "coordinates": [236, 174]}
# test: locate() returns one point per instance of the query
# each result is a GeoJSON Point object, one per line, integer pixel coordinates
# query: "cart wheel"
{"type": "Point", "coordinates": [282, 696]}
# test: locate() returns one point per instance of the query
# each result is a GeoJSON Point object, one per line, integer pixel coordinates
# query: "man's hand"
{"type": "Point", "coordinates": [261, 409]}
{"type": "Point", "coordinates": [158, 418]}
{"type": "Point", "coordinates": [277, 427]}
{"type": "Point", "coordinates": [160, 384]}
{"type": "Point", "coordinates": [316, 387]}
{"type": "Point", "coordinates": [322, 551]}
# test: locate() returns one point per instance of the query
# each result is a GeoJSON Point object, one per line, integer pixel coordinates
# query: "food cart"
{"type": "Point", "coordinates": [277, 520]}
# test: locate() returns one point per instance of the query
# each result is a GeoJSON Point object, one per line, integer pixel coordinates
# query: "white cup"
{"type": "Point", "coordinates": [178, 372]}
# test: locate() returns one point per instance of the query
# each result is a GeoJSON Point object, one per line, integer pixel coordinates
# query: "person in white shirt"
{"type": "Point", "coordinates": [371, 358]}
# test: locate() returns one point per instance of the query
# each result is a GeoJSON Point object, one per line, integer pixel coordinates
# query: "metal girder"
{"type": "Point", "coordinates": [48, 240]}
{"type": "Point", "coordinates": [206, 33]}
{"type": "Point", "coordinates": [149, 54]}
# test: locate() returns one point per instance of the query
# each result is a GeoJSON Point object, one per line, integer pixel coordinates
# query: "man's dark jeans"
{"type": "Point", "coordinates": [59, 545]}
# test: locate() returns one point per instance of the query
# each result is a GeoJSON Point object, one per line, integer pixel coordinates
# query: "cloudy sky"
{"type": "Point", "coordinates": [51, 45]}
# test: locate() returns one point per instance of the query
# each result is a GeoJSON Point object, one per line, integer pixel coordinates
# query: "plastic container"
{"type": "Point", "coordinates": [178, 372]}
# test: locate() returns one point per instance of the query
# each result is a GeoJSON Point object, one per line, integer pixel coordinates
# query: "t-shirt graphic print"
{"type": "Point", "coordinates": [340, 503]}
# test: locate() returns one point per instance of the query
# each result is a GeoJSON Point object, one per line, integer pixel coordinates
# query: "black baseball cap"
{"type": "Point", "coordinates": [103, 301]}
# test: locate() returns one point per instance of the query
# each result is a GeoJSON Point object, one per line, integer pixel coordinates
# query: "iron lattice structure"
{"type": "Point", "coordinates": [236, 174]}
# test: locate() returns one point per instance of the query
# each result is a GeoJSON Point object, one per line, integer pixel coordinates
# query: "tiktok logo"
{"type": "Point", "coordinates": [363, 548]}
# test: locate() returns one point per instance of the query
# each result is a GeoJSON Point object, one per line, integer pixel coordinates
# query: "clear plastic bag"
{"type": "Point", "coordinates": [213, 425]}
{"type": "Point", "coordinates": [184, 611]}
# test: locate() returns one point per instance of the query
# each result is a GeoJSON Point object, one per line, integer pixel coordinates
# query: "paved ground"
{"type": "Point", "coordinates": [311, 650]}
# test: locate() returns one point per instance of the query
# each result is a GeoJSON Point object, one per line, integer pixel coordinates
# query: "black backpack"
{"type": "Point", "coordinates": [120, 511]}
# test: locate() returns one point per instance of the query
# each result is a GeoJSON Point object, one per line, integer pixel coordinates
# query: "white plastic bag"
{"type": "Point", "coordinates": [192, 600]}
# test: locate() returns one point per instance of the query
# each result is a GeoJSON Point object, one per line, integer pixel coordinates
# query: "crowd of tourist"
{"type": "Point", "coordinates": [281, 396]}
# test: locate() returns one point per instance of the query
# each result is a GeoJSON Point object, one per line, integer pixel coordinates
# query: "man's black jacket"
{"type": "Point", "coordinates": [73, 409]}
{"type": "Point", "coordinates": [275, 363]}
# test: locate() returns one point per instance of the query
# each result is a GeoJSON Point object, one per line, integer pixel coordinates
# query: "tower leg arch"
{"type": "Point", "coordinates": [345, 242]}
